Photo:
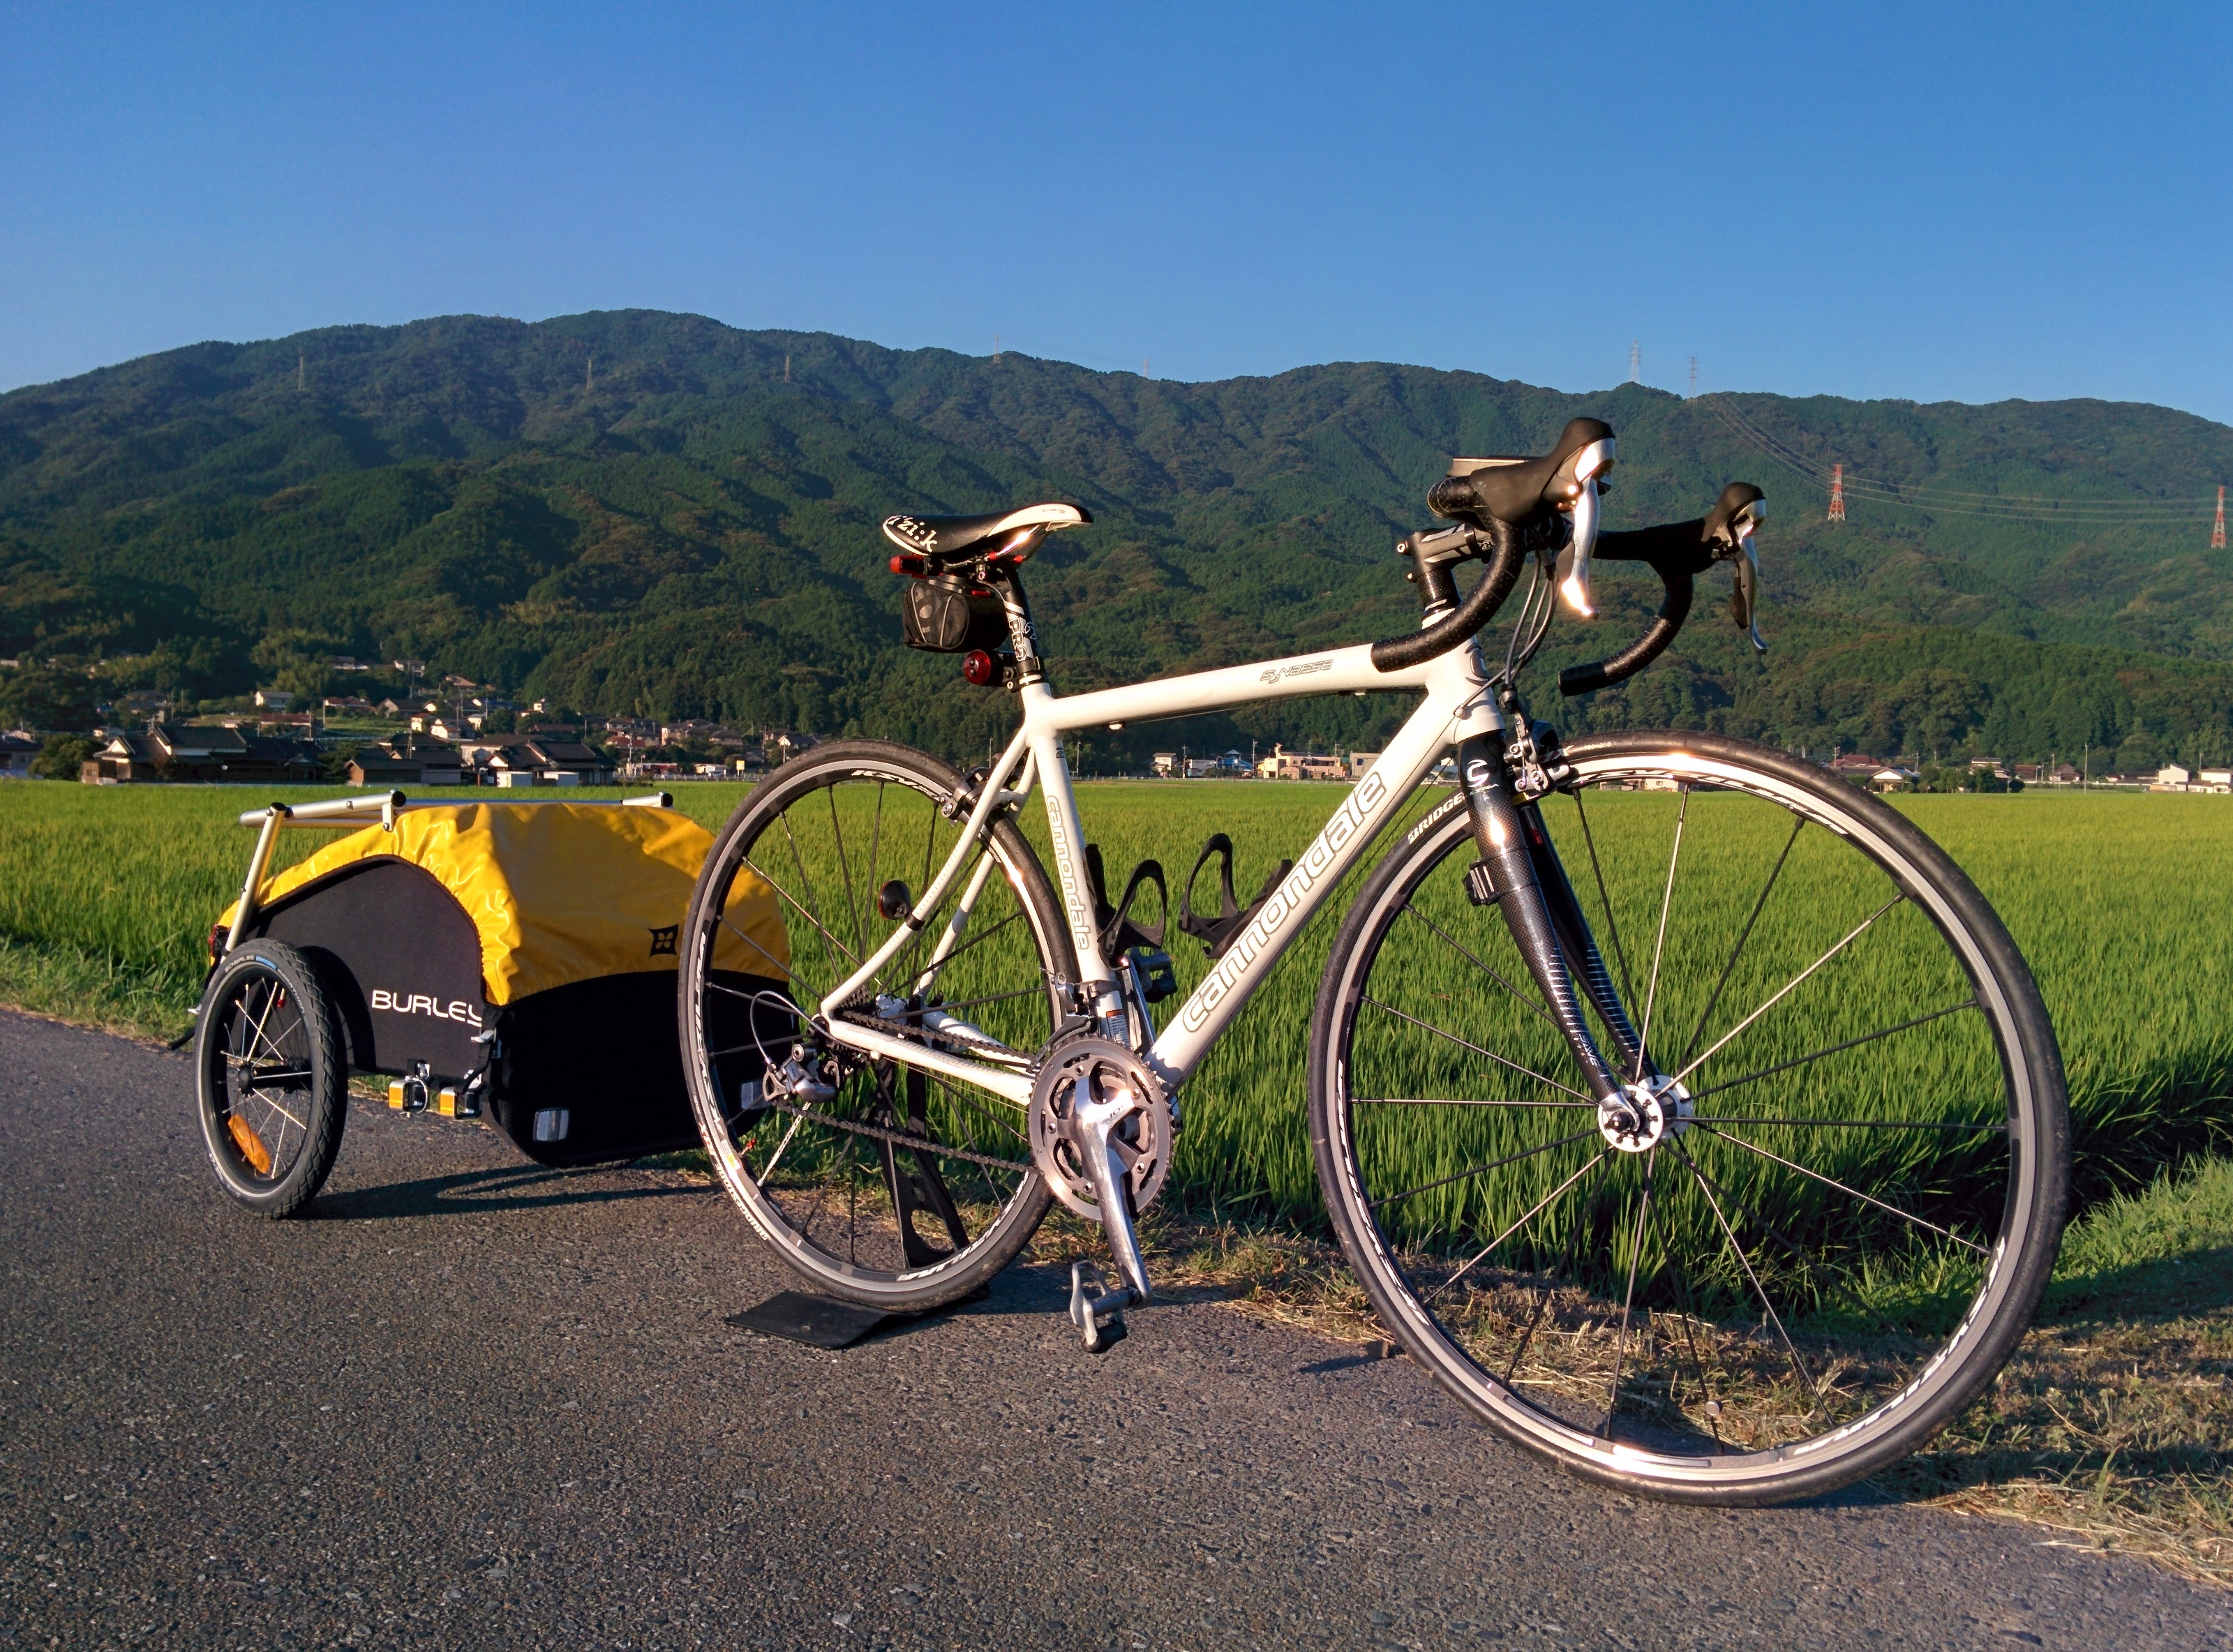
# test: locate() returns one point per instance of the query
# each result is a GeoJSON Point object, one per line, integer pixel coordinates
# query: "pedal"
{"type": "Point", "coordinates": [1098, 1313]}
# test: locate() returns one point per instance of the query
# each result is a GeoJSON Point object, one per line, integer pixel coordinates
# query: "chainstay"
{"type": "Point", "coordinates": [900, 1138]}
{"type": "Point", "coordinates": [909, 1030]}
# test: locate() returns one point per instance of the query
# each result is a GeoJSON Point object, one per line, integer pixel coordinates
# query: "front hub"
{"type": "Point", "coordinates": [1637, 1117]}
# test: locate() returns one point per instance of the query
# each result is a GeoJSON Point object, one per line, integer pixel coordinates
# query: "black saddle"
{"type": "Point", "coordinates": [949, 539]}
{"type": "Point", "coordinates": [1512, 490]}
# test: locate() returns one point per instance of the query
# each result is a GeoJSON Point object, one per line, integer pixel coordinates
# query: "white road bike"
{"type": "Point", "coordinates": [1727, 1169]}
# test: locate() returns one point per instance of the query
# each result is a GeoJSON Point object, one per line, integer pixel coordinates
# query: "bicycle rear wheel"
{"type": "Point", "coordinates": [901, 1188]}
{"type": "Point", "coordinates": [1850, 1206]}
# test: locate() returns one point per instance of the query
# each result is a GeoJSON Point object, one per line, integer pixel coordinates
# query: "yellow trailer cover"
{"type": "Point", "coordinates": [562, 892]}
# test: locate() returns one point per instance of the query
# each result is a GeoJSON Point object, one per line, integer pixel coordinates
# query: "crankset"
{"type": "Point", "coordinates": [1101, 1135]}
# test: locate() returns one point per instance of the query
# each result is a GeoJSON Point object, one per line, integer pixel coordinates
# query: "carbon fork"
{"type": "Point", "coordinates": [1519, 871]}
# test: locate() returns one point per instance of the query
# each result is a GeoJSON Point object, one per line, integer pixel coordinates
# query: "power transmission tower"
{"type": "Point", "coordinates": [1837, 493]}
{"type": "Point", "coordinates": [996, 346]}
{"type": "Point", "coordinates": [2217, 533]}
{"type": "Point", "coordinates": [303, 382]}
{"type": "Point", "coordinates": [1694, 375]}
{"type": "Point", "coordinates": [1146, 375]}
{"type": "Point", "coordinates": [786, 367]}
{"type": "Point", "coordinates": [593, 372]}
{"type": "Point", "coordinates": [1635, 362]}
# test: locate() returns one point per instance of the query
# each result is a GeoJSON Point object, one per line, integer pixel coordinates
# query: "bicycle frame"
{"type": "Point", "coordinates": [1458, 706]}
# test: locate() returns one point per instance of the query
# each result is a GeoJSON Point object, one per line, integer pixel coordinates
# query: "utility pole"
{"type": "Point", "coordinates": [1635, 362]}
{"type": "Point", "coordinates": [1837, 493]}
{"type": "Point", "coordinates": [1694, 376]}
{"type": "Point", "coordinates": [2217, 533]}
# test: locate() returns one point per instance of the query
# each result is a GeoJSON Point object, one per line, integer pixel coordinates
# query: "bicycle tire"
{"type": "Point", "coordinates": [968, 1141]}
{"type": "Point", "coordinates": [1831, 1294]}
{"type": "Point", "coordinates": [267, 997]}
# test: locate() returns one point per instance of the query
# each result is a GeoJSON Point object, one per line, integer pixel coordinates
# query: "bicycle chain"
{"type": "Point", "coordinates": [899, 1138]}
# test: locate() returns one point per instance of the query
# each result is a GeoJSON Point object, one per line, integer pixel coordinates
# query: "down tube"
{"type": "Point", "coordinates": [1369, 805]}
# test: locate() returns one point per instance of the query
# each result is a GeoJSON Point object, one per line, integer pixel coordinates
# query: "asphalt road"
{"type": "Point", "coordinates": [469, 1402]}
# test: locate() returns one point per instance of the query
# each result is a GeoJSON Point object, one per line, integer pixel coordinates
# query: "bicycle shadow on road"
{"type": "Point", "coordinates": [474, 1193]}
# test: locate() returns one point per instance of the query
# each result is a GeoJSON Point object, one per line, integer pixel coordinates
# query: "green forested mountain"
{"type": "Point", "coordinates": [650, 513]}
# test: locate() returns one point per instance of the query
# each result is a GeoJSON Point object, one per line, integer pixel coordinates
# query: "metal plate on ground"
{"type": "Point", "coordinates": [819, 1322]}
{"type": "Point", "coordinates": [823, 1322]}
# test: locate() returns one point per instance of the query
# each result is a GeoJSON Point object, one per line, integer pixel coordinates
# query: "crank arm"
{"type": "Point", "coordinates": [1112, 1192]}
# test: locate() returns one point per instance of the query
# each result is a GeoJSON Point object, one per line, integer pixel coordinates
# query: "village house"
{"type": "Point", "coordinates": [2170, 778]}
{"type": "Point", "coordinates": [1284, 764]}
{"type": "Point", "coordinates": [404, 762]}
{"type": "Point", "coordinates": [17, 748]}
{"type": "Point", "coordinates": [540, 761]}
{"type": "Point", "coordinates": [2212, 780]}
{"type": "Point", "coordinates": [186, 751]}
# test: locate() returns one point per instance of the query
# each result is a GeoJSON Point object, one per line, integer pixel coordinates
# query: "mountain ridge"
{"type": "Point", "coordinates": [549, 504]}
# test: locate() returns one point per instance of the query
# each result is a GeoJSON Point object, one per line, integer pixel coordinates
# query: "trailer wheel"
{"type": "Point", "coordinates": [271, 1085]}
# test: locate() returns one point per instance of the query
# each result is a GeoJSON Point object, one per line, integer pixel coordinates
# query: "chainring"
{"type": "Point", "coordinates": [1142, 1137]}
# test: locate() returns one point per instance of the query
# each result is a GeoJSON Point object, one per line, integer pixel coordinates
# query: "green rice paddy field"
{"type": "Point", "coordinates": [2120, 902]}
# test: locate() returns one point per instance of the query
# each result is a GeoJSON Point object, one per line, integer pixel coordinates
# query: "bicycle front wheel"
{"type": "Point", "coordinates": [1847, 1209]}
{"type": "Point", "coordinates": [892, 1186]}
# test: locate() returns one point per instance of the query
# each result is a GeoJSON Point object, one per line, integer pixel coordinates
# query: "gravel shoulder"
{"type": "Point", "coordinates": [472, 1402]}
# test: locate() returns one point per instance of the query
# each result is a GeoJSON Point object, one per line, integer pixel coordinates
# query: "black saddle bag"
{"type": "Point", "coordinates": [944, 615]}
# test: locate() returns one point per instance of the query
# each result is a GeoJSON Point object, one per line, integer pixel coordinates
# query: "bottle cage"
{"type": "Point", "coordinates": [1217, 933]}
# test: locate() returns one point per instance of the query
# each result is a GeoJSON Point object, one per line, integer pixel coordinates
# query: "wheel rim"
{"type": "Point", "coordinates": [262, 1078]}
{"type": "Point", "coordinates": [901, 1174]}
{"type": "Point", "coordinates": [1783, 1277]}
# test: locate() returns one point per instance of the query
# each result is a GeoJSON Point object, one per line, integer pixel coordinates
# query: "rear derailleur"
{"type": "Point", "coordinates": [1101, 1132]}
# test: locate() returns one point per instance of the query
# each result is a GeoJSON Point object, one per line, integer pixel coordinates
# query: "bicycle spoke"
{"type": "Point", "coordinates": [1479, 1169]}
{"type": "Point", "coordinates": [1784, 1067]}
{"type": "Point", "coordinates": [1790, 985]}
{"type": "Point", "coordinates": [1604, 900]}
{"type": "Point", "coordinates": [1745, 1262]}
{"type": "Point", "coordinates": [1659, 946]}
{"type": "Point", "coordinates": [828, 940]}
{"type": "Point", "coordinates": [1854, 1124]}
{"type": "Point", "coordinates": [734, 992]}
{"type": "Point", "coordinates": [1533, 1001]}
{"type": "Point", "coordinates": [852, 909]}
{"type": "Point", "coordinates": [1628, 1297]}
{"type": "Point", "coordinates": [812, 908]}
{"type": "Point", "coordinates": [1543, 1299]}
{"type": "Point", "coordinates": [950, 1005]}
{"type": "Point", "coordinates": [1451, 1100]}
{"type": "Point", "coordinates": [1525, 1072]}
{"type": "Point", "coordinates": [1541, 1205]}
{"type": "Point", "coordinates": [1854, 1192]}
{"type": "Point", "coordinates": [1743, 936]}
{"type": "Point", "coordinates": [1691, 1341]}
{"type": "Point", "coordinates": [875, 837]}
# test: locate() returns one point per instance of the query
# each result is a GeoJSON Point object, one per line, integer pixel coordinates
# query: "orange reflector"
{"type": "Point", "coordinates": [250, 1145]}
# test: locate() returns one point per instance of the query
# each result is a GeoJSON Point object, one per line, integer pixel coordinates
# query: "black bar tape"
{"type": "Point", "coordinates": [1506, 559]}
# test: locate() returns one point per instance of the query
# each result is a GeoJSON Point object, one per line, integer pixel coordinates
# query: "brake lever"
{"type": "Point", "coordinates": [1744, 594]}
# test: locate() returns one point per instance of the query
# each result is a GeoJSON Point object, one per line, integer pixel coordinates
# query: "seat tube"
{"type": "Point", "coordinates": [1506, 874]}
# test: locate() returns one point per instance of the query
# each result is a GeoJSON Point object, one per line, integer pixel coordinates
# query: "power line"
{"type": "Point", "coordinates": [1949, 501]}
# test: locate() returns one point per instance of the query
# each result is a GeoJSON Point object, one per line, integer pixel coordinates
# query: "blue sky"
{"type": "Point", "coordinates": [1935, 203]}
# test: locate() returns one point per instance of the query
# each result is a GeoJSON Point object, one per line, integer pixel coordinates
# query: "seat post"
{"type": "Point", "coordinates": [1007, 584]}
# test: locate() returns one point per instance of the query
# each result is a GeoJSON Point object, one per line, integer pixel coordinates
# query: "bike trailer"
{"type": "Point", "coordinates": [515, 961]}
